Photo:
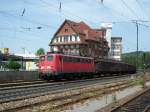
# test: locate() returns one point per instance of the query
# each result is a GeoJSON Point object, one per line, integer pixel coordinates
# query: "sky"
{"type": "Point", "coordinates": [31, 24]}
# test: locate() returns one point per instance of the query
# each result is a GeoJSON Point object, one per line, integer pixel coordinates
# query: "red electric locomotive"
{"type": "Point", "coordinates": [56, 66]}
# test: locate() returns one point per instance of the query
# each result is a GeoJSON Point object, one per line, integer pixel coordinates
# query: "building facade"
{"type": "Point", "coordinates": [116, 48]}
{"type": "Point", "coordinates": [74, 38]}
{"type": "Point", "coordinates": [108, 27]}
{"type": "Point", "coordinates": [29, 61]}
{"type": "Point", "coordinates": [5, 58]}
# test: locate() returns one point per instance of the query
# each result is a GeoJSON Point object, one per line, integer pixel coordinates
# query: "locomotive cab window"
{"type": "Point", "coordinates": [49, 58]}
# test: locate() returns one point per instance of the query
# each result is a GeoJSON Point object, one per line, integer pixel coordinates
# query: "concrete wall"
{"type": "Point", "coordinates": [18, 75]}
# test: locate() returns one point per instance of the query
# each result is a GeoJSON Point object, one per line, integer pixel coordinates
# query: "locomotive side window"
{"type": "Point", "coordinates": [85, 60]}
{"type": "Point", "coordinates": [77, 59]}
{"type": "Point", "coordinates": [69, 59]}
{"type": "Point", "coordinates": [73, 59]}
{"type": "Point", "coordinates": [89, 61]}
{"type": "Point", "coordinates": [81, 60]}
{"type": "Point", "coordinates": [42, 58]}
{"type": "Point", "coordinates": [65, 59]}
{"type": "Point", "coordinates": [49, 58]}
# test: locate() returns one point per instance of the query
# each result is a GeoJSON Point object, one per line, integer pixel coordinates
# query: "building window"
{"type": "Point", "coordinates": [72, 46]}
{"type": "Point", "coordinates": [118, 40]}
{"type": "Point", "coordinates": [112, 47]}
{"type": "Point", "coordinates": [76, 46]}
{"type": "Point", "coordinates": [60, 38]}
{"type": "Point", "coordinates": [66, 46]}
{"type": "Point", "coordinates": [78, 38]}
{"type": "Point", "coordinates": [73, 38]}
{"type": "Point", "coordinates": [70, 37]}
{"type": "Point", "coordinates": [65, 38]}
{"type": "Point", "coordinates": [66, 30]}
{"type": "Point", "coordinates": [56, 39]}
{"type": "Point", "coordinates": [116, 53]}
{"type": "Point", "coordinates": [118, 47]}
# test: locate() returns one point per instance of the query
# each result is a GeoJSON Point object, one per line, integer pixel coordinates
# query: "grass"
{"type": "Point", "coordinates": [140, 81]}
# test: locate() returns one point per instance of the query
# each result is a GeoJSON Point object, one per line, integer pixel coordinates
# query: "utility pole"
{"type": "Point", "coordinates": [137, 46]}
{"type": "Point", "coordinates": [23, 50]}
{"type": "Point", "coordinates": [137, 38]}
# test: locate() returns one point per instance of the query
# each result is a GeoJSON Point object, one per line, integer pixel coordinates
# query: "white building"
{"type": "Point", "coordinates": [108, 27]}
{"type": "Point", "coordinates": [116, 48]}
{"type": "Point", "coordinates": [29, 61]}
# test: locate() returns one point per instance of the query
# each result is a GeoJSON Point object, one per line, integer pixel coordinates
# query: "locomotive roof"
{"type": "Point", "coordinates": [68, 55]}
{"type": "Point", "coordinates": [113, 61]}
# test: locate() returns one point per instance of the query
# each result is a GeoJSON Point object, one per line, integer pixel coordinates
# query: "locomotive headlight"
{"type": "Point", "coordinates": [42, 67]}
{"type": "Point", "coordinates": [48, 67]}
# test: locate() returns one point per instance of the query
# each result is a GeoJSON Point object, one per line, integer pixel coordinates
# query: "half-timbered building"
{"type": "Point", "coordinates": [74, 38]}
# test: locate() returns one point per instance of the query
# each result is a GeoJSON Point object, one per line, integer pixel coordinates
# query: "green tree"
{"type": "Point", "coordinates": [143, 59]}
{"type": "Point", "coordinates": [40, 51]}
{"type": "Point", "coordinates": [13, 65]}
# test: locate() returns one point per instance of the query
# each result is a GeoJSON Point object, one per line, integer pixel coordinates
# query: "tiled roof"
{"type": "Point", "coordinates": [78, 27]}
{"type": "Point", "coordinates": [83, 28]}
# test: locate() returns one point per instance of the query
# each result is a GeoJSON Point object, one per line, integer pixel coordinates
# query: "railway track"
{"type": "Point", "coordinates": [8, 94]}
{"type": "Point", "coordinates": [20, 83]}
{"type": "Point", "coordinates": [140, 103]}
{"type": "Point", "coordinates": [60, 87]}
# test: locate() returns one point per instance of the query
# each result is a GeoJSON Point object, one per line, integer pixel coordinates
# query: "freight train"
{"type": "Point", "coordinates": [58, 66]}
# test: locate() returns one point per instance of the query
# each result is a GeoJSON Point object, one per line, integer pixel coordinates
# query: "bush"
{"type": "Point", "coordinates": [13, 65]}
{"type": "Point", "coordinates": [140, 81]}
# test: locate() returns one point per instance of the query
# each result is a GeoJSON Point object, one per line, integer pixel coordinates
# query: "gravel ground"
{"type": "Point", "coordinates": [68, 92]}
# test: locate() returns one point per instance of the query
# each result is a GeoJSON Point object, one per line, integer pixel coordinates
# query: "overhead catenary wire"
{"type": "Point", "coordinates": [35, 22]}
{"type": "Point", "coordinates": [66, 12]}
{"type": "Point", "coordinates": [129, 8]}
{"type": "Point", "coordinates": [142, 8]}
{"type": "Point", "coordinates": [25, 33]}
{"type": "Point", "coordinates": [27, 20]}
{"type": "Point", "coordinates": [62, 12]}
{"type": "Point", "coordinates": [23, 12]}
{"type": "Point", "coordinates": [130, 19]}
{"type": "Point", "coordinates": [137, 39]}
{"type": "Point", "coordinates": [115, 13]}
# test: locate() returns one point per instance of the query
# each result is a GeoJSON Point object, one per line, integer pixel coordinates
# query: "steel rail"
{"type": "Point", "coordinates": [19, 83]}
{"type": "Point", "coordinates": [140, 103]}
{"type": "Point", "coordinates": [30, 91]}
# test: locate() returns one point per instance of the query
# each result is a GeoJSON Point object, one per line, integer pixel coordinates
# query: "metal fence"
{"type": "Point", "coordinates": [18, 75]}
